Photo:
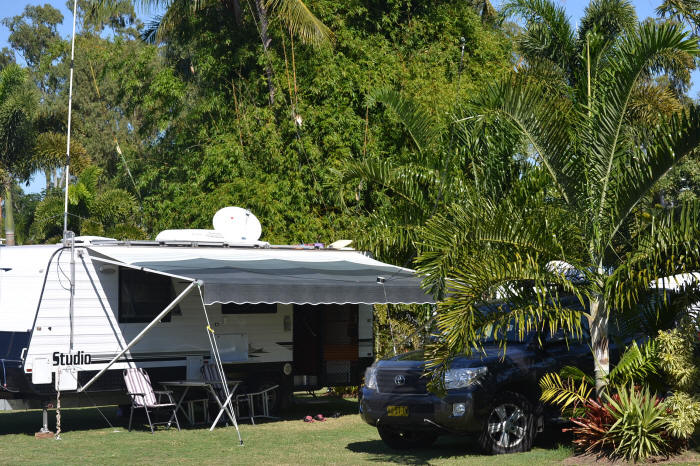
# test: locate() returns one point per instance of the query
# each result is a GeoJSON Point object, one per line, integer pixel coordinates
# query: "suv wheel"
{"type": "Point", "coordinates": [405, 439]}
{"type": "Point", "coordinates": [509, 427]}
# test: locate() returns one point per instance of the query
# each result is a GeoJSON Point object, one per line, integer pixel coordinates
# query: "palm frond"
{"type": "Point", "coordinates": [11, 78]}
{"type": "Point", "coordinates": [18, 107]}
{"type": "Point", "coordinates": [411, 183]}
{"type": "Point", "coordinates": [543, 121]}
{"type": "Point", "coordinates": [652, 103]}
{"type": "Point", "coordinates": [50, 150]}
{"type": "Point", "coordinates": [564, 392]}
{"type": "Point", "coordinates": [687, 11]}
{"type": "Point", "coordinates": [149, 34]}
{"type": "Point", "coordinates": [549, 34]}
{"type": "Point", "coordinates": [610, 18]}
{"type": "Point", "coordinates": [301, 21]}
{"type": "Point", "coordinates": [48, 218]}
{"type": "Point", "coordinates": [608, 149]}
{"type": "Point", "coordinates": [670, 247]}
{"type": "Point", "coordinates": [672, 141]}
{"type": "Point", "coordinates": [462, 235]}
{"type": "Point", "coordinates": [420, 124]}
{"type": "Point", "coordinates": [659, 308]}
{"type": "Point", "coordinates": [408, 193]}
{"type": "Point", "coordinates": [144, 5]}
{"type": "Point", "coordinates": [576, 374]}
{"type": "Point", "coordinates": [636, 364]}
{"type": "Point", "coordinates": [676, 65]}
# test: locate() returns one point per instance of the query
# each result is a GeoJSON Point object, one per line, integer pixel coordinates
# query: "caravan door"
{"type": "Point", "coordinates": [326, 346]}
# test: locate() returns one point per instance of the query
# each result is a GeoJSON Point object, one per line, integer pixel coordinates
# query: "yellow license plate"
{"type": "Point", "coordinates": [397, 410]}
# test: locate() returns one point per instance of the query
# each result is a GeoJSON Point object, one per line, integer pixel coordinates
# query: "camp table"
{"type": "Point", "coordinates": [208, 386]}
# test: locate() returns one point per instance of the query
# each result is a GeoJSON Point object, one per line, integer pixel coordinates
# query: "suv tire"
{"type": "Point", "coordinates": [404, 440]}
{"type": "Point", "coordinates": [509, 426]}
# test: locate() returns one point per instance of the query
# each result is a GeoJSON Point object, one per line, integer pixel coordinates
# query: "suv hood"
{"type": "Point", "coordinates": [489, 355]}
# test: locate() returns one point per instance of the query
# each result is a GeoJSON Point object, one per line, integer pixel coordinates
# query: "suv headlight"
{"type": "Point", "coordinates": [460, 378]}
{"type": "Point", "coordinates": [371, 377]}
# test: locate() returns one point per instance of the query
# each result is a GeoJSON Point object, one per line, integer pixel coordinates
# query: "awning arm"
{"type": "Point", "coordinates": [141, 334]}
{"type": "Point", "coordinates": [138, 267]}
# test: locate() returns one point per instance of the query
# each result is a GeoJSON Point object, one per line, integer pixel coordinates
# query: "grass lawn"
{"type": "Point", "coordinates": [344, 440]}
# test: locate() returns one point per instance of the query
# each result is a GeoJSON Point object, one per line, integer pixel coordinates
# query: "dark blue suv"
{"type": "Point", "coordinates": [490, 396]}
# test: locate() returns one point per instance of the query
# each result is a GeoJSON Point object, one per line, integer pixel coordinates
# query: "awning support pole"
{"type": "Point", "coordinates": [228, 402]}
{"type": "Point", "coordinates": [141, 334]}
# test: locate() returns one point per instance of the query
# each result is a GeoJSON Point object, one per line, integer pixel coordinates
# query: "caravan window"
{"type": "Point", "coordinates": [263, 308]}
{"type": "Point", "coordinates": [143, 295]}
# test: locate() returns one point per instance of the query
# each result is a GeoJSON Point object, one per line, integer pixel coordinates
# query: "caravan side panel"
{"type": "Point", "coordinates": [96, 331]}
{"type": "Point", "coordinates": [22, 271]}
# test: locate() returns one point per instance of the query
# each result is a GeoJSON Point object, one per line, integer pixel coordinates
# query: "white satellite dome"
{"type": "Point", "coordinates": [237, 225]}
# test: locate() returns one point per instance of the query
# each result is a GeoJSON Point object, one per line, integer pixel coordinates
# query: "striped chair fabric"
{"type": "Point", "coordinates": [139, 388]}
{"type": "Point", "coordinates": [138, 385]}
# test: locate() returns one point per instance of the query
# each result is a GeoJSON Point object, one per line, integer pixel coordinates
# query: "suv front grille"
{"type": "Point", "coordinates": [414, 382]}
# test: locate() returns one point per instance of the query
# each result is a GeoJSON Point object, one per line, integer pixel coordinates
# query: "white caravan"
{"type": "Point", "coordinates": [297, 317]}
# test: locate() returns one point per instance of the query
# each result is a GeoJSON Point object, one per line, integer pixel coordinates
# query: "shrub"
{"type": "Point", "coordinates": [683, 414]}
{"type": "Point", "coordinates": [634, 424]}
{"type": "Point", "coordinates": [590, 429]}
{"type": "Point", "coordinates": [640, 425]}
{"type": "Point", "coordinates": [677, 358]}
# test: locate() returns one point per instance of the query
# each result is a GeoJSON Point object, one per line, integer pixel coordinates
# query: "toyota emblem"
{"type": "Point", "coordinates": [399, 380]}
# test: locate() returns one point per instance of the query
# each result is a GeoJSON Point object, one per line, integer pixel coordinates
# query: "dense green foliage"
{"type": "Point", "coordinates": [197, 132]}
{"type": "Point", "coordinates": [186, 127]}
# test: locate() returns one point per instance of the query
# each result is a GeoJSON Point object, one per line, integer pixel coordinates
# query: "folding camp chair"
{"type": "Point", "coordinates": [260, 399]}
{"type": "Point", "coordinates": [210, 374]}
{"type": "Point", "coordinates": [138, 386]}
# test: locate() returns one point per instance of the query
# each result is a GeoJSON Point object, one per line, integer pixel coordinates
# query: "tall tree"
{"type": "Point", "coordinates": [34, 35]}
{"type": "Point", "coordinates": [586, 234]}
{"type": "Point", "coordinates": [34, 32]}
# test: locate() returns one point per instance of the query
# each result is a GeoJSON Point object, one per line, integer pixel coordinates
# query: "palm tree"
{"type": "Point", "coordinates": [294, 13]}
{"type": "Point", "coordinates": [586, 231]}
{"type": "Point", "coordinates": [445, 161]}
{"type": "Point", "coordinates": [18, 103]}
{"type": "Point", "coordinates": [552, 49]}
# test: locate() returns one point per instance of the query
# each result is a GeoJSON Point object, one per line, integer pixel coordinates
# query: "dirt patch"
{"type": "Point", "coordinates": [688, 457]}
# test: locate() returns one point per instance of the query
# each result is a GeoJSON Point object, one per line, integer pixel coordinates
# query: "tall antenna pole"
{"type": "Point", "coordinates": [70, 105]}
{"type": "Point", "coordinates": [66, 235]}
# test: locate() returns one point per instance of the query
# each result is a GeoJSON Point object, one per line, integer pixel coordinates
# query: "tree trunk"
{"type": "Point", "coordinates": [9, 216]}
{"type": "Point", "coordinates": [236, 7]}
{"type": "Point", "coordinates": [265, 38]}
{"type": "Point", "coordinates": [598, 323]}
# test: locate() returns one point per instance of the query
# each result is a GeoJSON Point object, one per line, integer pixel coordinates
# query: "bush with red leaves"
{"type": "Point", "coordinates": [590, 429]}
